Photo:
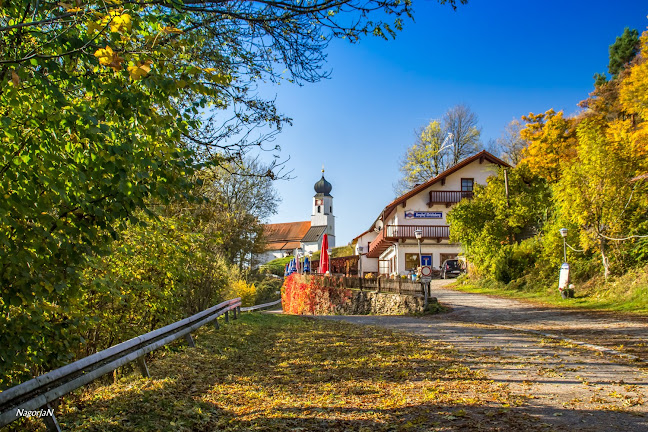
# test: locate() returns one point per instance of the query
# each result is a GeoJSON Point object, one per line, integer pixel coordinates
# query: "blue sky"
{"type": "Point", "coordinates": [503, 59]}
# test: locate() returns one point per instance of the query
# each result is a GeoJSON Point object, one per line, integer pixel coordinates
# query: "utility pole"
{"type": "Point", "coordinates": [506, 189]}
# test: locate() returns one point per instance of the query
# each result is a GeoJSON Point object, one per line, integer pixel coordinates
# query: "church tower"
{"type": "Point", "coordinates": [323, 209]}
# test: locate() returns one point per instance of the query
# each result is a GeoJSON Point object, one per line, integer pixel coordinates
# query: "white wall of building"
{"type": "Point", "coordinates": [479, 172]}
{"type": "Point", "coordinates": [368, 265]}
{"type": "Point", "coordinates": [419, 202]}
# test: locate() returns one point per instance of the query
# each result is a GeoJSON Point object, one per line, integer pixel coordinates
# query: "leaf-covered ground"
{"type": "Point", "coordinates": [286, 373]}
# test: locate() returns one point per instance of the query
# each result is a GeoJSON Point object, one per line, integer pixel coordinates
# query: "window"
{"type": "Point", "coordinates": [383, 267]}
{"type": "Point", "coordinates": [467, 184]}
{"type": "Point", "coordinates": [411, 261]}
{"type": "Point", "coordinates": [319, 209]}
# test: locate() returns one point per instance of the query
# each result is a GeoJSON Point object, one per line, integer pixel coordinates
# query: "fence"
{"type": "Point", "coordinates": [396, 286]}
{"type": "Point", "coordinates": [38, 393]}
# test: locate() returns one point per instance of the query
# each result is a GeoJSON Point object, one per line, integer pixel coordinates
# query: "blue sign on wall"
{"type": "Point", "coordinates": [426, 260]}
{"type": "Point", "coordinates": [410, 214]}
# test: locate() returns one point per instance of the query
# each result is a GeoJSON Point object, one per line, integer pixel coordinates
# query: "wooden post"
{"type": "Point", "coordinates": [50, 420]}
{"type": "Point", "coordinates": [378, 290]}
{"type": "Point", "coordinates": [226, 316]}
{"type": "Point", "coordinates": [400, 283]}
{"type": "Point", "coordinates": [141, 362]}
{"type": "Point", "coordinates": [190, 340]}
{"type": "Point", "coordinates": [360, 283]}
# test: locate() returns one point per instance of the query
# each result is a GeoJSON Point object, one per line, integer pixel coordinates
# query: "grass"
{"type": "Point", "coordinates": [625, 294]}
{"type": "Point", "coordinates": [287, 373]}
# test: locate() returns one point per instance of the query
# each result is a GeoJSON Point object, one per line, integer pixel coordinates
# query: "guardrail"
{"type": "Point", "coordinates": [261, 306]}
{"type": "Point", "coordinates": [37, 394]}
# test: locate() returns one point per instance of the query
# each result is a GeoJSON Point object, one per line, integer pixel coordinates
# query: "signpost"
{"type": "Point", "coordinates": [426, 260]}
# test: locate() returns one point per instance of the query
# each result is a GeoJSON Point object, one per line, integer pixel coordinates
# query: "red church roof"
{"type": "Point", "coordinates": [285, 236]}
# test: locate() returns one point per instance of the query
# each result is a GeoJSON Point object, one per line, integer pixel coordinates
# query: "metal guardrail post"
{"type": "Point", "coordinates": [141, 362]}
{"type": "Point", "coordinates": [216, 325]}
{"type": "Point", "coordinates": [190, 340]}
{"type": "Point", "coordinates": [50, 420]}
{"type": "Point", "coordinates": [226, 316]}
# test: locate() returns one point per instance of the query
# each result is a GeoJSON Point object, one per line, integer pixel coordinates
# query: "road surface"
{"type": "Point", "coordinates": [568, 386]}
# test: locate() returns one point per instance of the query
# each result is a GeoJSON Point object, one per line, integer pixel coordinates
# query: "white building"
{"type": "Point", "coordinates": [390, 245]}
{"type": "Point", "coordinates": [283, 238]}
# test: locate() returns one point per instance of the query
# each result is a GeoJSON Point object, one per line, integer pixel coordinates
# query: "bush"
{"type": "Point", "coordinates": [276, 266]}
{"type": "Point", "coordinates": [304, 294]}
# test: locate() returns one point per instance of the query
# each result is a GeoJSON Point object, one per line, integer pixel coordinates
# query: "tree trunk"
{"type": "Point", "coordinates": [604, 257]}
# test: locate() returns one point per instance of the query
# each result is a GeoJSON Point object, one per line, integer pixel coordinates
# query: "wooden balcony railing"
{"type": "Point", "coordinates": [448, 197]}
{"type": "Point", "coordinates": [408, 231]}
{"type": "Point", "coordinates": [394, 232]}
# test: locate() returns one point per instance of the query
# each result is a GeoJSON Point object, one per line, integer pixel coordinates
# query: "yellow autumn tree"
{"type": "Point", "coordinates": [633, 97]}
{"type": "Point", "coordinates": [551, 138]}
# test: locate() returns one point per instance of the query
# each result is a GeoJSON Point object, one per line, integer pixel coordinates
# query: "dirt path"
{"type": "Point", "coordinates": [565, 385]}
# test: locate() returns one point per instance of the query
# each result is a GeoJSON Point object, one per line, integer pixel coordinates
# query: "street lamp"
{"type": "Point", "coordinates": [563, 233]}
{"type": "Point", "coordinates": [298, 257]}
{"type": "Point", "coordinates": [418, 233]}
{"type": "Point", "coordinates": [360, 249]}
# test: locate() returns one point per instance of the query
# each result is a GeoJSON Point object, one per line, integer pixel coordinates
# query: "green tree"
{"type": "Point", "coordinates": [595, 191]}
{"type": "Point", "coordinates": [107, 107]}
{"type": "Point", "coordinates": [489, 222]}
{"type": "Point", "coordinates": [424, 160]}
{"type": "Point", "coordinates": [238, 197]}
{"type": "Point", "coordinates": [622, 51]}
{"type": "Point", "coordinates": [438, 146]}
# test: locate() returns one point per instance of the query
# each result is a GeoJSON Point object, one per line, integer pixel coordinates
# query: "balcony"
{"type": "Point", "coordinates": [448, 197]}
{"type": "Point", "coordinates": [393, 233]}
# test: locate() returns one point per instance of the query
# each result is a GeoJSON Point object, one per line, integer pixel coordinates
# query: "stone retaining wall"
{"type": "Point", "coordinates": [369, 302]}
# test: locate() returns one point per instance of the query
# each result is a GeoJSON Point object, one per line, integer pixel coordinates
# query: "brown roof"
{"type": "Point", "coordinates": [282, 245]}
{"type": "Point", "coordinates": [286, 232]}
{"type": "Point", "coordinates": [482, 154]}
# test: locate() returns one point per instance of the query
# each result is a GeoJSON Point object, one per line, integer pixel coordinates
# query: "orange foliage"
{"type": "Point", "coordinates": [314, 295]}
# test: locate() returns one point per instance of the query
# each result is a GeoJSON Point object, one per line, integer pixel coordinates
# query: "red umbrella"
{"type": "Point", "coordinates": [324, 256]}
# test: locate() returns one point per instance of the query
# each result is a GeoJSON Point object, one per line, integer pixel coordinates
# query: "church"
{"type": "Point", "coordinates": [283, 238]}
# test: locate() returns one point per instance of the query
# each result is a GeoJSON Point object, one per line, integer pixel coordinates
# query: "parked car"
{"type": "Point", "coordinates": [450, 268]}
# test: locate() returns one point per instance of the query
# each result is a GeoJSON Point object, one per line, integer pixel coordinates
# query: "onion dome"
{"type": "Point", "coordinates": [323, 186]}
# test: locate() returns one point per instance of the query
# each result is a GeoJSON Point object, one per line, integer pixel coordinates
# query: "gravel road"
{"type": "Point", "coordinates": [565, 385]}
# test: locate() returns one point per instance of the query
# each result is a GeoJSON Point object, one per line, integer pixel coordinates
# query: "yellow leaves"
{"type": "Point", "coordinates": [121, 24]}
{"type": "Point", "coordinates": [115, 20]}
{"type": "Point", "coordinates": [140, 71]}
{"type": "Point", "coordinates": [69, 8]}
{"type": "Point", "coordinates": [172, 30]}
{"type": "Point", "coordinates": [108, 57]}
